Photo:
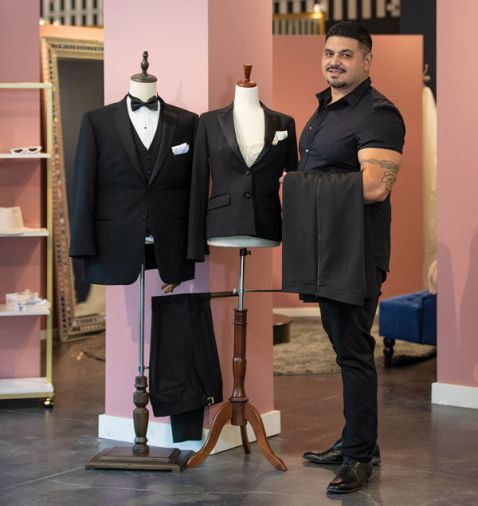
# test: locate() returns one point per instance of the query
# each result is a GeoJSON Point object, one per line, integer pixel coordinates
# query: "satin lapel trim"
{"type": "Point", "coordinates": [124, 126]}
{"type": "Point", "coordinates": [168, 120]}
{"type": "Point", "coordinates": [270, 121]}
{"type": "Point", "coordinates": [226, 120]}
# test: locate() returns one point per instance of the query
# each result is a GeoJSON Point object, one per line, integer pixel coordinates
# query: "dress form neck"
{"type": "Point", "coordinates": [143, 91]}
{"type": "Point", "coordinates": [246, 99]}
{"type": "Point", "coordinates": [249, 122]}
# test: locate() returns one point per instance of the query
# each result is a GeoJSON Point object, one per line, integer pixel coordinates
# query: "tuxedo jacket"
{"type": "Point", "coordinates": [114, 204]}
{"type": "Point", "coordinates": [243, 201]}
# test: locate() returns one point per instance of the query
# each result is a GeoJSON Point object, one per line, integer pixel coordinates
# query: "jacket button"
{"type": "Point", "coordinates": [144, 216]}
{"type": "Point", "coordinates": [247, 195]}
{"type": "Point", "coordinates": [247, 173]}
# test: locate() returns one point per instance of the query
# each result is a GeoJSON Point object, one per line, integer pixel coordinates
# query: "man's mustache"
{"type": "Point", "coordinates": [335, 67]}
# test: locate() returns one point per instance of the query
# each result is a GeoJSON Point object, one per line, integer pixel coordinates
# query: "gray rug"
{"type": "Point", "coordinates": [310, 352]}
{"type": "Point", "coordinates": [94, 347]}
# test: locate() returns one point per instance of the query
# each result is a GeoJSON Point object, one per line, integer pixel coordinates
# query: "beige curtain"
{"type": "Point", "coordinates": [429, 161]}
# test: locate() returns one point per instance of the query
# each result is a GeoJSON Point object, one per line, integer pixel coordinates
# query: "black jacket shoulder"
{"type": "Point", "coordinates": [182, 112]}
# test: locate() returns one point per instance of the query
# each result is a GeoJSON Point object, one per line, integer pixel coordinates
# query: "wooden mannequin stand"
{"type": "Point", "coordinates": [238, 409]}
{"type": "Point", "coordinates": [141, 457]}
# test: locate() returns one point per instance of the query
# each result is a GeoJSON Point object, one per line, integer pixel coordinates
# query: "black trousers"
{"type": "Point", "coordinates": [184, 374]}
{"type": "Point", "coordinates": [348, 327]}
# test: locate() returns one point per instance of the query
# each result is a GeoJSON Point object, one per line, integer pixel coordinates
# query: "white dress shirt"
{"type": "Point", "coordinates": [145, 122]}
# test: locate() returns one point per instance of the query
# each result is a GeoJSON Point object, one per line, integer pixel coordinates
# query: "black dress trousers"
{"type": "Point", "coordinates": [185, 373]}
{"type": "Point", "coordinates": [348, 327]}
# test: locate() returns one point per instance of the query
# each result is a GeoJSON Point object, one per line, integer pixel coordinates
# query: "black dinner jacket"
{"type": "Point", "coordinates": [114, 205]}
{"type": "Point", "coordinates": [244, 201]}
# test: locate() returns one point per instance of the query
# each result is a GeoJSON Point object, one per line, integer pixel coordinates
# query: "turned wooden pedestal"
{"type": "Point", "coordinates": [238, 410]}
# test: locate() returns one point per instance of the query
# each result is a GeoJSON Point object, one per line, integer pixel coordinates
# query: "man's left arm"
{"type": "Point", "coordinates": [379, 169]}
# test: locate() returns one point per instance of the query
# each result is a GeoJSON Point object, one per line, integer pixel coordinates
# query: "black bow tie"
{"type": "Point", "coordinates": [136, 103]}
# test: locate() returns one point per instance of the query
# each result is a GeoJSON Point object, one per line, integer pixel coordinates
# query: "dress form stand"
{"type": "Point", "coordinates": [141, 456]}
{"type": "Point", "coordinates": [249, 126]}
{"type": "Point", "coordinates": [238, 410]}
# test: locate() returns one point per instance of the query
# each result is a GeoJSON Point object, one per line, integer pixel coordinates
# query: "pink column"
{"type": "Point", "coordinates": [457, 80]}
{"type": "Point", "coordinates": [21, 259]}
{"type": "Point", "coordinates": [196, 48]}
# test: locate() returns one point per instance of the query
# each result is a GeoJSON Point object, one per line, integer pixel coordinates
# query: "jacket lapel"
{"type": "Point", "coordinates": [226, 120]}
{"type": "Point", "coordinates": [167, 121]}
{"type": "Point", "coordinates": [270, 120]}
{"type": "Point", "coordinates": [123, 125]}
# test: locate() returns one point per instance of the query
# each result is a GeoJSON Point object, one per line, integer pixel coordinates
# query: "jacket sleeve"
{"type": "Point", "coordinates": [292, 158]}
{"type": "Point", "coordinates": [197, 245]}
{"type": "Point", "coordinates": [82, 222]}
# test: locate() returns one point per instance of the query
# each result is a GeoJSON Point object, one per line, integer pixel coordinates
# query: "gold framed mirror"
{"type": "Point", "coordinates": [65, 63]}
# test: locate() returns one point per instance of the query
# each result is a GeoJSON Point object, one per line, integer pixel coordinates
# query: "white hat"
{"type": "Point", "coordinates": [11, 221]}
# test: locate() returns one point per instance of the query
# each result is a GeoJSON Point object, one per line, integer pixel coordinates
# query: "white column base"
{"type": "Point", "coordinates": [159, 434]}
{"type": "Point", "coordinates": [455, 395]}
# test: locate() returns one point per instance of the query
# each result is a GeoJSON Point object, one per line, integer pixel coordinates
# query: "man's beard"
{"type": "Point", "coordinates": [337, 84]}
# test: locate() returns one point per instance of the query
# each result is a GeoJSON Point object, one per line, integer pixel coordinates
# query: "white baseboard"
{"type": "Point", "coordinates": [159, 434]}
{"type": "Point", "coordinates": [297, 311]}
{"type": "Point", "coordinates": [455, 395]}
{"type": "Point", "coordinates": [303, 312]}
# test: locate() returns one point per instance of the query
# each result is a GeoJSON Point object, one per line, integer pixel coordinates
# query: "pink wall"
{"type": "Point", "coordinates": [20, 182]}
{"type": "Point", "coordinates": [397, 73]}
{"type": "Point", "coordinates": [197, 62]}
{"type": "Point", "coordinates": [457, 81]}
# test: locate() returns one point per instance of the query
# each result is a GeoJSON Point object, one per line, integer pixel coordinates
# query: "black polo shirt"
{"type": "Point", "coordinates": [335, 133]}
{"type": "Point", "coordinates": [330, 142]}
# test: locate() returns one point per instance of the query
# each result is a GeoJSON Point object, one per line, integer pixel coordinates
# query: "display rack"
{"type": "Point", "coordinates": [38, 387]}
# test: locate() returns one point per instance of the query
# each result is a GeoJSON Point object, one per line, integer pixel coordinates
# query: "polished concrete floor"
{"type": "Point", "coordinates": [429, 453]}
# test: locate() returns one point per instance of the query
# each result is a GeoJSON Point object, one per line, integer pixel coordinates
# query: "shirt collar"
{"type": "Point", "coordinates": [351, 98]}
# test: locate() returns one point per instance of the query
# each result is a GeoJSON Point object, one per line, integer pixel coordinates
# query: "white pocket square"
{"type": "Point", "coordinates": [180, 149]}
{"type": "Point", "coordinates": [280, 135]}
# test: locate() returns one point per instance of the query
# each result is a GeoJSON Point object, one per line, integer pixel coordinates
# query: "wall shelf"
{"type": "Point", "coordinates": [12, 156]}
{"type": "Point", "coordinates": [21, 388]}
{"type": "Point", "coordinates": [39, 232]}
{"type": "Point", "coordinates": [33, 311]}
{"type": "Point", "coordinates": [42, 386]}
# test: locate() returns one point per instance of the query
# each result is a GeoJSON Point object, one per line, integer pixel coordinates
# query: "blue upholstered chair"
{"type": "Point", "coordinates": [410, 317]}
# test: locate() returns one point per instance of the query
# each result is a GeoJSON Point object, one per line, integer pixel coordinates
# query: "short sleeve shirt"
{"type": "Point", "coordinates": [363, 118]}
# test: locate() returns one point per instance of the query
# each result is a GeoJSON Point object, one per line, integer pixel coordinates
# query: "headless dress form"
{"type": "Point", "coordinates": [249, 126]}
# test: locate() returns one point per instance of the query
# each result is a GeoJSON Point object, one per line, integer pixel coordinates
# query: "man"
{"type": "Point", "coordinates": [355, 128]}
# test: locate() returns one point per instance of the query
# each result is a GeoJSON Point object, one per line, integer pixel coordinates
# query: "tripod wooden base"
{"type": "Point", "coordinates": [238, 410]}
{"type": "Point", "coordinates": [252, 416]}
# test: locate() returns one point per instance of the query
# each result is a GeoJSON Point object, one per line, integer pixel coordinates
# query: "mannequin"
{"type": "Point", "coordinates": [144, 87]}
{"type": "Point", "coordinates": [132, 180]}
{"type": "Point", "coordinates": [249, 126]}
{"type": "Point", "coordinates": [240, 154]}
{"type": "Point", "coordinates": [242, 150]}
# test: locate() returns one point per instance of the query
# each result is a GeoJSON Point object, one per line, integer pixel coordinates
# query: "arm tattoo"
{"type": "Point", "coordinates": [390, 170]}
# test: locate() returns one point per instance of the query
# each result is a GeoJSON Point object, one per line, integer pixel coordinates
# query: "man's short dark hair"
{"type": "Point", "coordinates": [351, 30]}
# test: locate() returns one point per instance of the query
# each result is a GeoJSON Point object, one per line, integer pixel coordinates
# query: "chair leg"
{"type": "Point", "coordinates": [388, 345]}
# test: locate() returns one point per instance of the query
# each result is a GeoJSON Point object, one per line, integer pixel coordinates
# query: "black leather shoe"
{"type": "Point", "coordinates": [352, 476]}
{"type": "Point", "coordinates": [333, 456]}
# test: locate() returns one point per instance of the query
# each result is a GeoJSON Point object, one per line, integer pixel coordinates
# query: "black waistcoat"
{"type": "Point", "coordinates": [147, 157]}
